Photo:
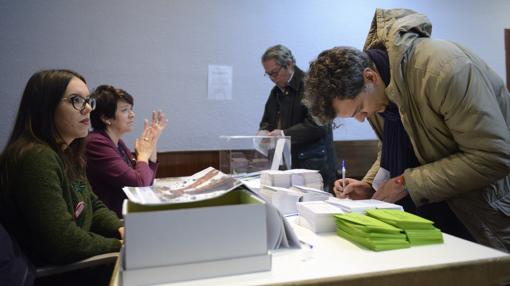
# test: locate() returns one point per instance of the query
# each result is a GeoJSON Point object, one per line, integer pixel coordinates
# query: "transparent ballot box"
{"type": "Point", "coordinates": [248, 154]}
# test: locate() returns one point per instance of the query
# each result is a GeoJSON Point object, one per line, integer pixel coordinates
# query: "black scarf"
{"type": "Point", "coordinates": [397, 151]}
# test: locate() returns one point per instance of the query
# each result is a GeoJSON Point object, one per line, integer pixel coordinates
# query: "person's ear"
{"type": "Point", "coordinates": [370, 76]}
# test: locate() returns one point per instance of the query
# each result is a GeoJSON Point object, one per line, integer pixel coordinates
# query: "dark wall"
{"type": "Point", "coordinates": [358, 155]}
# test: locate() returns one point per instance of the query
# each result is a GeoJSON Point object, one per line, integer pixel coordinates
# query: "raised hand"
{"type": "Point", "coordinates": [276, 132]}
{"type": "Point", "coordinates": [158, 123]}
{"type": "Point", "coordinates": [145, 144]}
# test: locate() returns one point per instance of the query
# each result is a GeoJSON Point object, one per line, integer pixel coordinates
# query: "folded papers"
{"type": "Point", "coordinates": [204, 185]}
{"type": "Point", "coordinates": [419, 231]}
{"type": "Point", "coordinates": [360, 206]}
{"type": "Point", "coordinates": [286, 199]}
{"type": "Point", "coordinates": [370, 232]}
{"type": "Point", "coordinates": [401, 219]}
{"type": "Point", "coordinates": [385, 229]}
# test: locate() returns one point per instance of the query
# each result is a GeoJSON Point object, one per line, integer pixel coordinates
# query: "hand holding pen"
{"type": "Point", "coordinates": [343, 174]}
{"type": "Point", "coordinates": [339, 186]}
{"type": "Point", "coordinates": [354, 189]}
{"type": "Point", "coordinates": [347, 188]}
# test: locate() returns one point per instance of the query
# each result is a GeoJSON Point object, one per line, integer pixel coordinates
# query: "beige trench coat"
{"type": "Point", "coordinates": [456, 111]}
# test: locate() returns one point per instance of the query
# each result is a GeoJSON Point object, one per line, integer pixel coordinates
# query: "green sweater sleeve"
{"type": "Point", "coordinates": [47, 203]}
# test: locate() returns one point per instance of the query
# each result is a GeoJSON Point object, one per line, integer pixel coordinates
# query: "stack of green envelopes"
{"type": "Point", "coordinates": [370, 232]}
{"type": "Point", "coordinates": [419, 231]}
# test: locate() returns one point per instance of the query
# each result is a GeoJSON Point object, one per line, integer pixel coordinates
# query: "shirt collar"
{"type": "Point", "coordinates": [295, 79]}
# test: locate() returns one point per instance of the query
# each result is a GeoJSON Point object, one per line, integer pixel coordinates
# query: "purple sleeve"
{"type": "Point", "coordinates": [154, 168]}
{"type": "Point", "coordinates": [105, 163]}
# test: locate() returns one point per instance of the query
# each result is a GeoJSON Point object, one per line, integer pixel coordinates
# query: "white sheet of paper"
{"type": "Point", "coordinates": [219, 85]}
{"type": "Point", "coordinates": [278, 153]}
{"type": "Point", "coordinates": [287, 156]}
{"type": "Point", "coordinates": [297, 179]}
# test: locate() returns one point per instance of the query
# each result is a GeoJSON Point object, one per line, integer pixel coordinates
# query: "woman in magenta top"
{"type": "Point", "coordinates": [110, 163]}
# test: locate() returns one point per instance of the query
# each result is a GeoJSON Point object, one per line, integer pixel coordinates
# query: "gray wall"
{"type": "Point", "coordinates": [159, 50]}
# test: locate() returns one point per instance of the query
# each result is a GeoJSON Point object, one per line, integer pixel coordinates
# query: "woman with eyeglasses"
{"type": "Point", "coordinates": [110, 164]}
{"type": "Point", "coordinates": [46, 202]}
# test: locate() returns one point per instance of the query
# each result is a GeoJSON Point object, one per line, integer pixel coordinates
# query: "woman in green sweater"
{"type": "Point", "coordinates": [46, 202]}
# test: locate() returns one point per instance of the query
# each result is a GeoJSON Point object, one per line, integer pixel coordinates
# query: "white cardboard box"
{"type": "Point", "coordinates": [197, 270]}
{"type": "Point", "coordinates": [170, 236]}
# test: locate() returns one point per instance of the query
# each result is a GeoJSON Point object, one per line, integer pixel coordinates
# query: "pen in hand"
{"type": "Point", "coordinates": [343, 174]}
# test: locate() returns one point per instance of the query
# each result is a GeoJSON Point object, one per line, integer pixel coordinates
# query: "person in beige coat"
{"type": "Point", "coordinates": [442, 115]}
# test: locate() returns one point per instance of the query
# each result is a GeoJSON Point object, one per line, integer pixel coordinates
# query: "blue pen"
{"type": "Point", "coordinates": [308, 245]}
{"type": "Point", "coordinates": [343, 174]}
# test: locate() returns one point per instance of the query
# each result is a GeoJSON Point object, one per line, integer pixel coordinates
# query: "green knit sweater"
{"type": "Point", "coordinates": [39, 205]}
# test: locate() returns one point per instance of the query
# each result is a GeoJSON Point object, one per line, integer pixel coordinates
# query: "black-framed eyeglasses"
{"type": "Point", "coordinates": [273, 73]}
{"type": "Point", "coordinates": [80, 102]}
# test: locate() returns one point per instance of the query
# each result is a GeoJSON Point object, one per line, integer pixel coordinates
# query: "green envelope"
{"type": "Point", "coordinates": [401, 219]}
{"type": "Point", "coordinates": [366, 223]}
{"type": "Point", "coordinates": [419, 231]}
{"type": "Point", "coordinates": [424, 236]}
{"type": "Point", "coordinates": [355, 230]}
{"type": "Point", "coordinates": [375, 244]}
{"type": "Point", "coordinates": [369, 232]}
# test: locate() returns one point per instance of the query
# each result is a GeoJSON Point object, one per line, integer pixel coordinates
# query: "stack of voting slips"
{"type": "Point", "coordinates": [419, 231]}
{"type": "Point", "coordinates": [311, 194]}
{"type": "Point", "coordinates": [361, 206]}
{"type": "Point", "coordinates": [275, 178]}
{"type": "Point", "coordinates": [285, 199]}
{"type": "Point", "coordinates": [288, 178]}
{"type": "Point", "coordinates": [318, 216]}
{"type": "Point", "coordinates": [370, 232]}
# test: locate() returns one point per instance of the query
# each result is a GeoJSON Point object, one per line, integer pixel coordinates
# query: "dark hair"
{"type": "Point", "coordinates": [336, 73]}
{"type": "Point", "coordinates": [280, 53]}
{"type": "Point", "coordinates": [107, 97]}
{"type": "Point", "coordinates": [35, 122]}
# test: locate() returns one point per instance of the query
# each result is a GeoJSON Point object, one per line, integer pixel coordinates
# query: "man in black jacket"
{"type": "Point", "coordinates": [284, 114]}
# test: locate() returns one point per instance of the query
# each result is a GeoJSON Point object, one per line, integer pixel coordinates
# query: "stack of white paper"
{"type": "Point", "coordinates": [311, 194]}
{"type": "Point", "coordinates": [307, 178]}
{"type": "Point", "coordinates": [360, 206]}
{"type": "Point", "coordinates": [288, 178]}
{"type": "Point", "coordinates": [285, 199]}
{"type": "Point", "coordinates": [318, 216]}
{"type": "Point", "coordinates": [275, 178]}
